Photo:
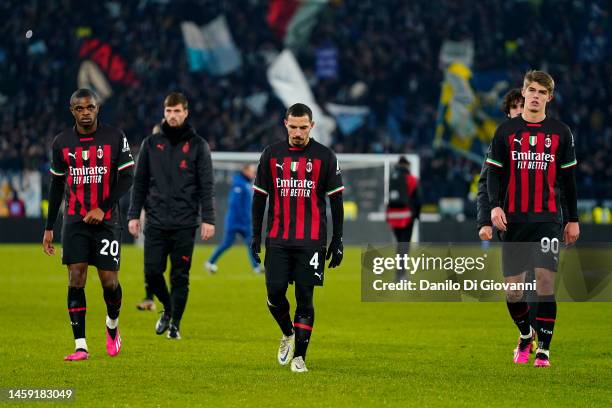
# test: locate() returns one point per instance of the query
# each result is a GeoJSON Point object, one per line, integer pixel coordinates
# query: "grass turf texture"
{"type": "Point", "coordinates": [361, 354]}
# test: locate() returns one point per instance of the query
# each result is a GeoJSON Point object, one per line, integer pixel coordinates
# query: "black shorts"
{"type": "Point", "coordinates": [305, 266]}
{"type": "Point", "coordinates": [98, 245]}
{"type": "Point", "coordinates": [531, 245]}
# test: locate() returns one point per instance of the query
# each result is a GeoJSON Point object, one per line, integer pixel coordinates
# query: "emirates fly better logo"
{"type": "Point", "coordinates": [533, 160]}
{"type": "Point", "coordinates": [87, 175]}
{"type": "Point", "coordinates": [294, 187]}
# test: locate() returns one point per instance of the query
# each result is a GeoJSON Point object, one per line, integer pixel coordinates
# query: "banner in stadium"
{"type": "Point", "coordinates": [469, 109]}
{"type": "Point", "coordinates": [102, 69]}
{"type": "Point", "coordinates": [326, 61]}
{"type": "Point", "coordinates": [349, 118]}
{"type": "Point", "coordinates": [101, 65]}
{"type": "Point", "coordinates": [470, 101]}
{"type": "Point", "coordinates": [293, 20]}
{"type": "Point", "coordinates": [288, 82]}
{"type": "Point", "coordinates": [455, 127]}
{"type": "Point", "coordinates": [211, 48]}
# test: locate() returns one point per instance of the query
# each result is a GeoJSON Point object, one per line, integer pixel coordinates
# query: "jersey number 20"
{"type": "Point", "coordinates": [114, 247]}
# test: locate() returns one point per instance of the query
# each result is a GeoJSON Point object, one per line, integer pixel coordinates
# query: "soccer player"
{"type": "Point", "coordinates": [174, 184]}
{"type": "Point", "coordinates": [531, 157]}
{"type": "Point", "coordinates": [512, 106]}
{"type": "Point", "coordinates": [95, 162]}
{"type": "Point", "coordinates": [238, 218]}
{"type": "Point", "coordinates": [296, 175]}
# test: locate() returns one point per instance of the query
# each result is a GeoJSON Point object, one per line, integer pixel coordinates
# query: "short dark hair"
{"type": "Point", "coordinates": [297, 110]}
{"type": "Point", "coordinates": [176, 98]}
{"type": "Point", "coordinates": [403, 162]}
{"type": "Point", "coordinates": [83, 93]}
{"type": "Point", "coordinates": [513, 95]}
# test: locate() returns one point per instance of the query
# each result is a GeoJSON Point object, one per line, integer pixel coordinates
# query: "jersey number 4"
{"type": "Point", "coordinates": [314, 261]}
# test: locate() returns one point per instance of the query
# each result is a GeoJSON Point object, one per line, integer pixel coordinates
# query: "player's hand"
{"type": "Point", "coordinates": [571, 233]}
{"type": "Point", "coordinates": [134, 228]}
{"type": "Point", "coordinates": [498, 218]}
{"type": "Point", "coordinates": [335, 252]}
{"type": "Point", "coordinates": [485, 233]}
{"type": "Point", "coordinates": [256, 248]}
{"type": "Point", "coordinates": [207, 231]}
{"type": "Point", "coordinates": [48, 243]}
{"type": "Point", "coordinates": [94, 216]}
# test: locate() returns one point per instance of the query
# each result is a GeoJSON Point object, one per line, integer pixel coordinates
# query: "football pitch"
{"type": "Point", "coordinates": [361, 354]}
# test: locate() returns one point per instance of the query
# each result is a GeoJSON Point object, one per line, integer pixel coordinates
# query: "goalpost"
{"type": "Point", "coordinates": [365, 177]}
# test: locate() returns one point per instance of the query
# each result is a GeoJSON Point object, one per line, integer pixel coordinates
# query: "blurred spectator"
{"type": "Point", "coordinates": [16, 206]}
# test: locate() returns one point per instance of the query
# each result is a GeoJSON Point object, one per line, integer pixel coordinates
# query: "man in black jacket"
{"type": "Point", "coordinates": [174, 184]}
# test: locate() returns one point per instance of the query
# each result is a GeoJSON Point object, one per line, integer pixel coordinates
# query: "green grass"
{"type": "Point", "coordinates": [361, 354]}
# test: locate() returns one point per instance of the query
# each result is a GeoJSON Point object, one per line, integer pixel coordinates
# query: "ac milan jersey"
{"type": "Point", "coordinates": [91, 164]}
{"type": "Point", "coordinates": [532, 157]}
{"type": "Point", "coordinates": [297, 181]}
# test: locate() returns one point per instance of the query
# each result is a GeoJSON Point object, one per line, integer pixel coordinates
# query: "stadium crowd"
{"type": "Point", "coordinates": [387, 59]}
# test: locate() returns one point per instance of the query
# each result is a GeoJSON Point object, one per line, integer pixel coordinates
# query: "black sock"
{"type": "Point", "coordinates": [531, 297]}
{"type": "Point", "coordinates": [76, 309]}
{"type": "Point", "coordinates": [112, 297]}
{"type": "Point", "coordinates": [533, 309]}
{"type": "Point", "coordinates": [303, 330]}
{"type": "Point", "coordinates": [280, 312]}
{"type": "Point", "coordinates": [519, 311]}
{"type": "Point", "coordinates": [157, 285]}
{"type": "Point", "coordinates": [546, 315]}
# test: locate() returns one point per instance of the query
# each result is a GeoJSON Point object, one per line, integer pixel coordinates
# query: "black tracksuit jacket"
{"type": "Point", "coordinates": [174, 180]}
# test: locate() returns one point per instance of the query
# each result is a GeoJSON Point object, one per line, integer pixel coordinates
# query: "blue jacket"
{"type": "Point", "coordinates": [238, 216]}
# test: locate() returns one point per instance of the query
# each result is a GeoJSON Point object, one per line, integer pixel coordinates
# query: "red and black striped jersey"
{"type": "Point", "coordinates": [297, 182]}
{"type": "Point", "coordinates": [91, 164]}
{"type": "Point", "coordinates": [532, 157]}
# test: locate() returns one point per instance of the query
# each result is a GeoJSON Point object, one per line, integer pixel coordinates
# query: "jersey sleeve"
{"type": "Point", "coordinates": [567, 153]}
{"type": "Point", "coordinates": [263, 179]}
{"type": "Point", "coordinates": [498, 153]}
{"type": "Point", "coordinates": [334, 176]}
{"type": "Point", "coordinates": [125, 159]}
{"type": "Point", "coordinates": [59, 167]}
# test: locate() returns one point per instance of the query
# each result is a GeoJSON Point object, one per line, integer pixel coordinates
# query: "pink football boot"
{"type": "Point", "coordinates": [77, 356]}
{"type": "Point", "coordinates": [113, 346]}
